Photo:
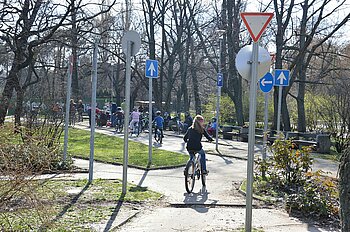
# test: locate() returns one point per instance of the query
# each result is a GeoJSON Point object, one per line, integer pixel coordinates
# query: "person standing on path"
{"type": "Point", "coordinates": [193, 139]}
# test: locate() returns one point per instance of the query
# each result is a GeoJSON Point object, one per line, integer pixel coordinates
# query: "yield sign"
{"type": "Point", "coordinates": [256, 23]}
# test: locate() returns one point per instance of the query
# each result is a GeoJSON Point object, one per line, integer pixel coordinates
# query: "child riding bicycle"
{"type": "Point", "coordinates": [159, 124]}
{"type": "Point", "coordinates": [193, 139]}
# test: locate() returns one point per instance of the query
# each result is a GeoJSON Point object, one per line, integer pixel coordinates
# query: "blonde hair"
{"type": "Point", "coordinates": [196, 125]}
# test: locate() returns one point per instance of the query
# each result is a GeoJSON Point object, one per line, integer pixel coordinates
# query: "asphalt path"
{"type": "Point", "coordinates": [217, 207]}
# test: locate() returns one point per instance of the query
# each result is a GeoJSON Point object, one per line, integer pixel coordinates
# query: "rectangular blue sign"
{"type": "Point", "coordinates": [220, 80]}
{"type": "Point", "coordinates": [151, 69]}
{"type": "Point", "coordinates": [281, 77]}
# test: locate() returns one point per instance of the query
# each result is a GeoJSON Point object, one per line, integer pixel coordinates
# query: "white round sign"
{"type": "Point", "coordinates": [135, 38]}
{"type": "Point", "coordinates": [244, 62]}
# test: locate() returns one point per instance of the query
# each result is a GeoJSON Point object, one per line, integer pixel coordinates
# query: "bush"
{"type": "Point", "coordinates": [287, 175]}
{"type": "Point", "coordinates": [26, 153]}
{"type": "Point", "coordinates": [287, 166]}
{"type": "Point", "coordinates": [317, 197]}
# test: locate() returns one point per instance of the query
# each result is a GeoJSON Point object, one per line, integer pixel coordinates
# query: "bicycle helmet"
{"type": "Point", "coordinates": [213, 119]}
{"type": "Point", "coordinates": [158, 112]}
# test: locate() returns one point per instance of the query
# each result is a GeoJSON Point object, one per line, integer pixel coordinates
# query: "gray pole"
{"type": "Point", "coordinates": [251, 138]}
{"type": "Point", "coordinates": [93, 112]}
{"type": "Point", "coordinates": [66, 120]}
{"type": "Point", "coordinates": [126, 113]}
{"type": "Point", "coordinates": [112, 84]}
{"type": "Point", "coordinates": [266, 121]}
{"type": "Point", "coordinates": [279, 109]}
{"type": "Point", "coordinates": [150, 87]}
{"type": "Point", "coordinates": [218, 101]}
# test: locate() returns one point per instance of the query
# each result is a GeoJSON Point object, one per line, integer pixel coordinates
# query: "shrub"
{"type": "Point", "coordinates": [287, 174]}
{"type": "Point", "coordinates": [26, 153]}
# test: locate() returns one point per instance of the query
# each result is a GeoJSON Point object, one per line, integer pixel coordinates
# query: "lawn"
{"type": "Point", "coordinates": [73, 206]}
{"type": "Point", "coordinates": [110, 149]}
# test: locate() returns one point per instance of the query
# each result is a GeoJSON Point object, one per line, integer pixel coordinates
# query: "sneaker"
{"type": "Point", "coordinates": [205, 172]}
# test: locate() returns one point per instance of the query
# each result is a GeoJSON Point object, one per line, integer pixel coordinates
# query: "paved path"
{"type": "Point", "coordinates": [228, 148]}
{"type": "Point", "coordinates": [192, 212]}
{"type": "Point", "coordinates": [229, 213]}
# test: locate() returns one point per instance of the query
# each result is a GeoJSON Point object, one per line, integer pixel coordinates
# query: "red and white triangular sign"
{"type": "Point", "coordinates": [256, 23]}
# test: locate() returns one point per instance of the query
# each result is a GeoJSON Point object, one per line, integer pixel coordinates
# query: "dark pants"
{"type": "Point", "coordinates": [161, 131]}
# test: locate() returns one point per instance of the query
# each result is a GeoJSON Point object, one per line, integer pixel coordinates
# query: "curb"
{"type": "Point", "coordinates": [124, 222]}
{"type": "Point", "coordinates": [134, 166]}
{"type": "Point", "coordinates": [209, 205]}
{"type": "Point", "coordinates": [228, 156]}
{"type": "Point", "coordinates": [272, 201]}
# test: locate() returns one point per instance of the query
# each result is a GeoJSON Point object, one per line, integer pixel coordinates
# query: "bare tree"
{"type": "Point", "coordinates": [297, 50]}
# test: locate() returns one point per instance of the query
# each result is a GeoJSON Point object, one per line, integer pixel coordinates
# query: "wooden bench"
{"type": "Point", "coordinates": [259, 134]}
{"type": "Point", "coordinates": [228, 133]}
{"type": "Point", "coordinates": [321, 142]}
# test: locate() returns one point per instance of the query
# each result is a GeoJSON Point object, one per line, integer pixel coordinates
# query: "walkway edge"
{"type": "Point", "coordinates": [133, 166]}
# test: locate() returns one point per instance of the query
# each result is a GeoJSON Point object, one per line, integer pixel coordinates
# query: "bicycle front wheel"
{"type": "Point", "coordinates": [203, 177]}
{"type": "Point", "coordinates": [189, 176]}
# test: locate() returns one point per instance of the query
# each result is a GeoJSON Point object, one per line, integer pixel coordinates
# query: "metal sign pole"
{"type": "Point", "coordinates": [266, 121]}
{"type": "Point", "coordinates": [66, 120]}
{"type": "Point", "coordinates": [150, 87]}
{"type": "Point", "coordinates": [251, 137]}
{"type": "Point", "coordinates": [93, 112]}
{"type": "Point", "coordinates": [218, 101]}
{"type": "Point", "coordinates": [126, 113]}
{"type": "Point", "coordinates": [279, 109]}
{"type": "Point", "coordinates": [217, 118]}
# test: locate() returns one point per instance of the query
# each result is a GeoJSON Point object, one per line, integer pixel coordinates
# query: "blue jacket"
{"type": "Point", "coordinates": [159, 121]}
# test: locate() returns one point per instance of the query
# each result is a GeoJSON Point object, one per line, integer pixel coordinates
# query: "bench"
{"type": "Point", "coordinates": [321, 142]}
{"type": "Point", "coordinates": [259, 134]}
{"type": "Point", "coordinates": [228, 133]}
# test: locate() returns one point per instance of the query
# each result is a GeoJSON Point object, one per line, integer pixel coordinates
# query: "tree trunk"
{"type": "Point", "coordinates": [302, 71]}
{"type": "Point", "coordinates": [8, 91]}
{"type": "Point", "coordinates": [301, 108]}
{"type": "Point", "coordinates": [197, 100]}
{"type": "Point", "coordinates": [74, 44]}
{"type": "Point", "coordinates": [170, 82]}
{"type": "Point", "coordinates": [117, 89]}
{"type": "Point", "coordinates": [282, 13]}
{"type": "Point", "coordinates": [285, 112]}
{"type": "Point", "coordinates": [19, 105]}
{"type": "Point", "coordinates": [184, 68]}
{"type": "Point", "coordinates": [6, 98]}
{"type": "Point", "coordinates": [344, 191]}
{"type": "Point", "coordinates": [235, 83]}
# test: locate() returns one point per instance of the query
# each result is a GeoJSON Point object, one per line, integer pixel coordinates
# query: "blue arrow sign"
{"type": "Point", "coordinates": [281, 77]}
{"type": "Point", "coordinates": [220, 80]}
{"type": "Point", "coordinates": [151, 69]}
{"type": "Point", "coordinates": [266, 83]}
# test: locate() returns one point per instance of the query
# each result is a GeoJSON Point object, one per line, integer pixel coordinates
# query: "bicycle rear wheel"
{"type": "Point", "coordinates": [189, 176]}
{"type": "Point", "coordinates": [157, 137]}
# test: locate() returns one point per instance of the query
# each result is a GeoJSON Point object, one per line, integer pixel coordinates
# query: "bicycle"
{"type": "Point", "coordinates": [119, 125]}
{"type": "Point", "coordinates": [135, 129]}
{"type": "Point", "coordinates": [192, 171]}
{"type": "Point", "coordinates": [158, 135]}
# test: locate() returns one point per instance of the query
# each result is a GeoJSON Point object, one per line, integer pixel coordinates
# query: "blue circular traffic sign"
{"type": "Point", "coordinates": [266, 83]}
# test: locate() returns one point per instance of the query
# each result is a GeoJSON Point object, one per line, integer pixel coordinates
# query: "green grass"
{"type": "Point", "coordinates": [79, 211]}
{"type": "Point", "coordinates": [110, 149]}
